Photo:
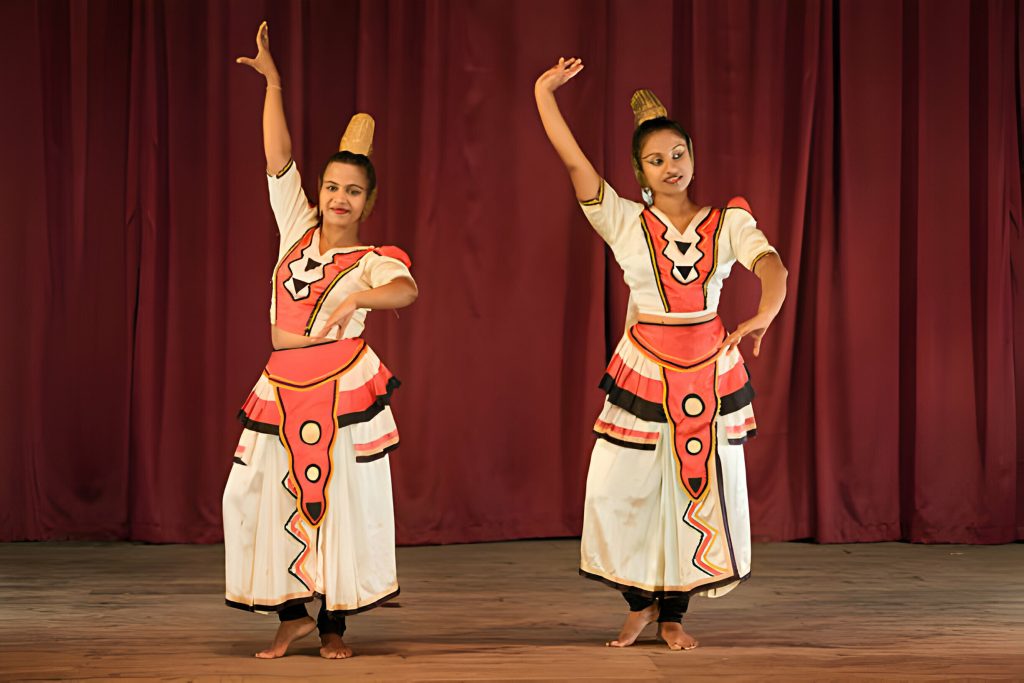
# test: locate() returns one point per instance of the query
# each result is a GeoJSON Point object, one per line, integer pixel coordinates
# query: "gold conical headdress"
{"type": "Point", "coordinates": [358, 137]}
{"type": "Point", "coordinates": [646, 106]}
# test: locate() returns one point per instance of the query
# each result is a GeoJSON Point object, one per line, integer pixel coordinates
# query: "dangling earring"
{"type": "Point", "coordinates": [647, 195]}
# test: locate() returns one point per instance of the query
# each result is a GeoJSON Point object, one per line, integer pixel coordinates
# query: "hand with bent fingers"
{"type": "Point", "coordinates": [558, 75]}
{"type": "Point", "coordinates": [263, 62]}
{"type": "Point", "coordinates": [339, 318]}
{"type": "Point", "coordinates": [754, 328]}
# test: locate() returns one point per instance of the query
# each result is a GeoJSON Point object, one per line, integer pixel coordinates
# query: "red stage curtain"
{"type": "Point", "coordinates": [878, 143]}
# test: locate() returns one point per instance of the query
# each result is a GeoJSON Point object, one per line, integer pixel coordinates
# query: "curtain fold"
{"type": "Point", "coordinates": [878, 143]}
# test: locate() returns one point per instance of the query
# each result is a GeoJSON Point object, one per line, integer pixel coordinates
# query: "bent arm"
{"type": "Point", "coordinates": [772, 274]}
{"type": "Point", "coordinates": [398, 293]}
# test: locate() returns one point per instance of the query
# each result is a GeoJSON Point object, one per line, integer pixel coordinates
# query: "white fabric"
{"type": "Point", "coordinates": [633, 534]}
{"type": "Point", "coordinates": [617, 221]}
{"type": "Point", "coordinates": [292, 210]}
{"type": "Point", "coordinates": [351, 561]}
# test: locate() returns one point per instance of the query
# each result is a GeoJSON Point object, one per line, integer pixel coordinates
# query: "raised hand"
{"type": "Point", "coordinates": [263, 62]}
{"type": "Point", "coordinates": [558, 75]}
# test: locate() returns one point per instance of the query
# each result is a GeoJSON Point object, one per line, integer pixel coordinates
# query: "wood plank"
{"type": "Point", "coordinates": [518, 611]}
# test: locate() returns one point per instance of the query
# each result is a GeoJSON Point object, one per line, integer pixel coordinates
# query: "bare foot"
{"type": "Point", "coordinates": [635, 624]}
{"type": "Point", "coordinates": [333, 647]}
{"type": "Point", "coordinates": [287, 633]}
{"type": "Point", "coordinates": [675, 637]}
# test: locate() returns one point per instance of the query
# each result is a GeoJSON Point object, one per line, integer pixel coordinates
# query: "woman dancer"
{"type": "Point", "coordinates": [307, 507]}
{"type": "Point", "coordinates": [666, 514]}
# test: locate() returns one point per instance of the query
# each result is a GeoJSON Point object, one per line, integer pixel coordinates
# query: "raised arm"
{"type": "Point", "coordinates": [276, 142]}
{"type": "Point", "coordinates": [585, 180]}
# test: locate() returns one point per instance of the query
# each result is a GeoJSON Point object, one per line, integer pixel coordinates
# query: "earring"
{"type": "Point", "coordinates": [647, 195]}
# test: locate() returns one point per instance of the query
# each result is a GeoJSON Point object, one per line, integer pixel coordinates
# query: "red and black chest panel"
{"type": "Point", "coordinates": [683, 266]}
{"type": "Point", "coordinates": [304, 279]}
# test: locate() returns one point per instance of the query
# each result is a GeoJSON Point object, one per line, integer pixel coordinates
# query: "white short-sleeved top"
{"type": "Point", "coordinates": [307, 284]}
{"type": "Point", "coordinates": [675, 273]}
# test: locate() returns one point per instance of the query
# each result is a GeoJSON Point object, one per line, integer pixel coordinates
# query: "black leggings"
{"type": "Point", "coordinates": [670, 609]}
{"type": "Point", "coordinates": [325, 623]}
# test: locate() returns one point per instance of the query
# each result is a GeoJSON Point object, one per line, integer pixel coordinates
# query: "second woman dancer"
{"type": "Point", "coordinates": [665, 513]}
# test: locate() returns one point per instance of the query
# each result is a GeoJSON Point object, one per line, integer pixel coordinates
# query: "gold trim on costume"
{"type": "Point", "coordinates": [287, 167]}
{"type": "Point", "coordinates": [654, 262]}
{"type": "Point", "coordinates": [757, 259]}
{"type": "Point", "coordinates": [596, 201]}
{"type": "Point", "coordinates": [714, 254]}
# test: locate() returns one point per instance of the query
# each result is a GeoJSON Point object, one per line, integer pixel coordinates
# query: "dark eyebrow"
{"type": "Point", "coordinates": [671, 150]}
{"type": "Point", "coordinates": [335, 182]}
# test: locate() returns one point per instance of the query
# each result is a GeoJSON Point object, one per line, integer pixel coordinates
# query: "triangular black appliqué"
{"type": "Point", "coordinates": [684, 271]}
{"type": "Point", "coordinates": [299, 285]}
{"type": "Point", "coordinates": [684, 247]}
{"type": "Point", "coordinates": [311, 264]}
{"type": "Point", "coordinates": [694, 483]}
{"type": "Point", "coordinates": [314, 510]}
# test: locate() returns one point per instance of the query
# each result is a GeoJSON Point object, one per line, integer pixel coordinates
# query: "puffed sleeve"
{"type": "Point", "coordinates": [611, 215]}
{"type": "Point", "coordinates": [749, 244]}
{"type": "Point", "coordinates": [292, 210]}
{"type": "Point", "coordinates": [386, 264]}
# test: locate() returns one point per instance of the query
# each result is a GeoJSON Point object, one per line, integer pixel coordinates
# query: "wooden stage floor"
{"type": "Point", "coordinates": [519, 611]}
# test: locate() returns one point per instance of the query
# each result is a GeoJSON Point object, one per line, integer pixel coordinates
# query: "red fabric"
{"type": "Point", "coordinates": [676, 296]}
{"type": "Point", "coordinates": [301, 368]}
{"type": "Point", "coordinates": [878, 141]}
{"type": "Point", "coordinates": [297, 315]}
{"type": "Point", "coordinates": [629, 379]}
{"type": "Point", "coordinates": [693, 435]}
{"type": "Point", "coordinates": [395, 253]}
{"type": "Point", "coordinates": [683, 347]}
{"type": "Point", "coordinates": [311, 405]}
{"type": "Point", "coordinates": [740, 203]}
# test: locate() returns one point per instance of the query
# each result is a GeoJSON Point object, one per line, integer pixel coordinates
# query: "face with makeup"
{"type": "Point", "coordinates": [666, 162]}
{"type": "Point", "coordinates": [343, 192]}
